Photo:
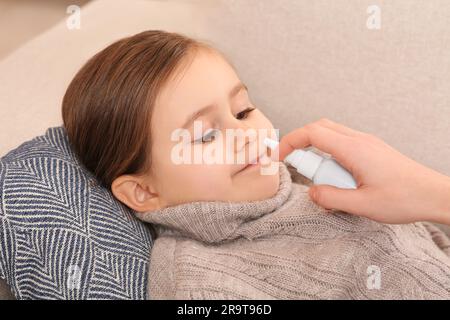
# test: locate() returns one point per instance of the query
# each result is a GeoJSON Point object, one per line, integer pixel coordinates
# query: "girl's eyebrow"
{"type": "Point", "coordinates": [233, 92]}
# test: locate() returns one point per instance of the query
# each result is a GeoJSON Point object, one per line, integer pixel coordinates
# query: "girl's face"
{"type": "Point", "coordinates": [208, 81]}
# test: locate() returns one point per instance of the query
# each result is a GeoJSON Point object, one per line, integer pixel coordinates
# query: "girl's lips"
{"type": "Point", "coordinates": [252, 164]}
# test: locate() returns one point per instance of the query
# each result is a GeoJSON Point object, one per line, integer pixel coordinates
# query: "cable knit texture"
{"type": "Point", "coordinates": [287, 247]}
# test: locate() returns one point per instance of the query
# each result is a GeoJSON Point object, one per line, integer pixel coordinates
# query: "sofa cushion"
{"type": "Point", "coordinates": [63, 236]}
{"type": "Point", "coordinates": [35, 77]}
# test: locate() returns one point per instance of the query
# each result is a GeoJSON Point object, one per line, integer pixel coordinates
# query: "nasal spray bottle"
{"type": "Point", "coordinates": [317, 168]}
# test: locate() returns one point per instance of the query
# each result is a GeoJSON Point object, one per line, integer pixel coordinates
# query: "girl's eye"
{"type": "Point", "coordinates": [243, 114]}
{"type": "Point", "coordinates": [209, 137]}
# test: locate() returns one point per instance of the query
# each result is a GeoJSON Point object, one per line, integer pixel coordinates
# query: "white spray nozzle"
{"type": "Point", "coordinates": [308, 165]}
{"type": "Point", "coordinates": [272, 144]}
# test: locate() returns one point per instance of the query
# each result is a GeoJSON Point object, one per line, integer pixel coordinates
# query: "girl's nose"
{"type": "Point", "coordinates": [241, 133]}
{"type": "Point", "coordinates": [243, 137]}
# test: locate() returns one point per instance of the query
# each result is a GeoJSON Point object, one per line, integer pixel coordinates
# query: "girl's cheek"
{"type": "Point", "coordinates": [205, 176]}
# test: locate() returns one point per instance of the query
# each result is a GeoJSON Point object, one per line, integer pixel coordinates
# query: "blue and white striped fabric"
{"type": "Point", "coordinates": [62, 236]}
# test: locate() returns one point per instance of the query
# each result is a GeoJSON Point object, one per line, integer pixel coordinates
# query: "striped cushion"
{"type": "Point", "coordinates": [62, 236]}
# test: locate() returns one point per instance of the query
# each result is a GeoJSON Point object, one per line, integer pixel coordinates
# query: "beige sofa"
{"type": "Point", "coordinates": [301, 59]}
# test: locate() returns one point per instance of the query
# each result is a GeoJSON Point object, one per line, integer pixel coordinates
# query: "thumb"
{"type": "Point", "coordinates": [329, 197]}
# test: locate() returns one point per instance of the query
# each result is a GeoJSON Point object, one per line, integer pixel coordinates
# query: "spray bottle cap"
{"type": "Point", "coordinates": [306, 162]}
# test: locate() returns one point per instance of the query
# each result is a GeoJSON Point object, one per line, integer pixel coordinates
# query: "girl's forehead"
{"type": "Point", "coordinates": [203, 81]}
{"type": "Point", "coordinates": [205, 72]}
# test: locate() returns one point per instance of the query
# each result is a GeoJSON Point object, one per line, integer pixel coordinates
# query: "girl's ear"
{"type": "Point", "coordinates": [133, 192]}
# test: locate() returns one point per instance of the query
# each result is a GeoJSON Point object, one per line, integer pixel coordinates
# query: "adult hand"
{"type": "Point", "coordinates": [392, 188]}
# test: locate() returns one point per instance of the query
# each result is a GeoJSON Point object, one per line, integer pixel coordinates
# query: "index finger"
{"type": "Point", "coordinates": [325, 139]}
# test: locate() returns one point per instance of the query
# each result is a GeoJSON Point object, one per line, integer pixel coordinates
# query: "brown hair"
{"type": "Point", "coordinates": [108, 105]}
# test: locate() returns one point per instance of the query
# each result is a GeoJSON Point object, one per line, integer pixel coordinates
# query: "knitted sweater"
{"type": "Point", "coordinates": [287, 247]}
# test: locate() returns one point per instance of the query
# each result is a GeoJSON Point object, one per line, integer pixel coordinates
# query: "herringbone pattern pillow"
{"type": "Point", "coordinates": [63, 236]}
